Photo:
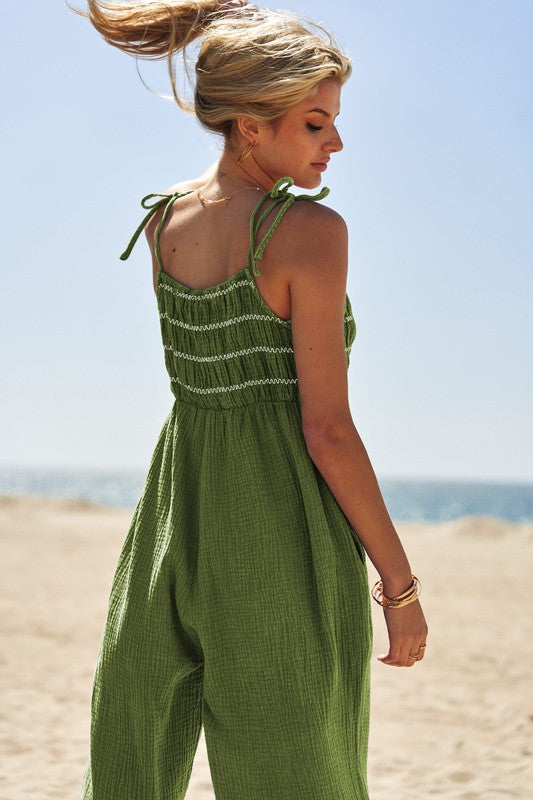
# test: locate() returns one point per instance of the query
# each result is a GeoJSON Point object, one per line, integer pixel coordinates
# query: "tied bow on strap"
{"type": "Point", "coordinates": [279, 194]}
{"type": "Point", "coordinates": [165, 198]}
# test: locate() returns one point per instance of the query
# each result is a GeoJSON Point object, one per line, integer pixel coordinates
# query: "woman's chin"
{"type": "Point", "coordinates": [308, 183]}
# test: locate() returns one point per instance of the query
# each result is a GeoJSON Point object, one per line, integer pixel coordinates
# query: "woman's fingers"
{"type": "Point", "coordinates": [389, 658]}
{"type": "Point", "coordinates": [405, 654]}
{"type": "Point", "coordinates": [397, 658]}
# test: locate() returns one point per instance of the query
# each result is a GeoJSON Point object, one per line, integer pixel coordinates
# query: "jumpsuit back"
{"type": "Point", "coordinates": [240, 601]}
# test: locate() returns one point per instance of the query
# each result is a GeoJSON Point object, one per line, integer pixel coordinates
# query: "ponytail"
{"type": "Point", "coordinates": [150, 29]}
{"type": "Point", "coordinates": [252, 62]}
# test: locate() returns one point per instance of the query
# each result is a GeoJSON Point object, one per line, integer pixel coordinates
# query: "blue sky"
{"type": "Point", "coordinates": [435, 183]}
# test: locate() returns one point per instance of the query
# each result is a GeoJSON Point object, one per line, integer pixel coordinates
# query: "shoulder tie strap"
{"type": "Point", "coordinates": [165, 198]}
{"type": "Point", "coordinates": [281, 196]}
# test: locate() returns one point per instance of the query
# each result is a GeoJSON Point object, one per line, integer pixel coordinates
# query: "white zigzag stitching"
{"type": "Point", "coordinates": [226, 322]}
{"type": "Point", "coordinates": [216, 293]}
{"type": "Point", "coordinates": [223, 324]}
{"type": "Point", "coordinates": [235, 354]}
{"type": "Point", "coordinates": [233, 387]}
{"type": "Point", "coordinates": [247, 351]}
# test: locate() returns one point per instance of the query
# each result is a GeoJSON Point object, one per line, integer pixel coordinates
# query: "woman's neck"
{"type": "Point", "coordinates": [227, 171]}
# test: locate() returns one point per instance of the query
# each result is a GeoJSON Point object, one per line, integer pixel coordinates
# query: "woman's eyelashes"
{"type": "Point", "coordinates": [314, 127]}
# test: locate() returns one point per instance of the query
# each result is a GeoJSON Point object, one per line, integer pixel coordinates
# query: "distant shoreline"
{"type": "Point", "coordinates": [407, 500]}
{"type": "Point", "coordinates": [385, 478]}
{"type": "Point", "coordinates": [478, 525]}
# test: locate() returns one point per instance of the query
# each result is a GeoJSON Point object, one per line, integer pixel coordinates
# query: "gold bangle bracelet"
{"type": "Point", "coordinates": [386, 603]}
{"type": "Point", "coordinates": [378, 586]}
{"type": "Point", "coordinates": [411, 588]}
{"type": "Point", "coordinates": [402, 603]}
{"type": "Point", "coordinates": [406, 597]}
{"type": "Point", "coordinates": [409, 596]}
{"type": "Point", "coordinates": [391, 602]}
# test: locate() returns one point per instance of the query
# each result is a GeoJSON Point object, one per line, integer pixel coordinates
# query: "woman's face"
{"type": "Point", "coordinates": [302, 141]}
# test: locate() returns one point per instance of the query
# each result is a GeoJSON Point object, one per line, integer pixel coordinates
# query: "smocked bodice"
{"type": "Point", "coordinates": [224, 346]}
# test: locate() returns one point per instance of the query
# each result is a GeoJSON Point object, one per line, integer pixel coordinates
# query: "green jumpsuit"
{"type": "Point", "coordinates": [240, 601]}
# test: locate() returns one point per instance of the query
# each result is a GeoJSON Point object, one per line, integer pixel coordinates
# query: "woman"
{"type": "Point", "coordinates": [241, 598]}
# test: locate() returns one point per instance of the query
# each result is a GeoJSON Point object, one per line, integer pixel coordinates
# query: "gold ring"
{"type": "Point", "coordinates": [414, 656]}
{"type": "Point", "coordinates": [421, 646]}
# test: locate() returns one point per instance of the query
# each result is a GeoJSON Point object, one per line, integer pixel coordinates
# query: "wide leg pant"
{"type": "Point", "coordinates": [249, 616]}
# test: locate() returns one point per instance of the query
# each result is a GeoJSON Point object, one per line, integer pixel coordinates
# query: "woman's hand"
{"type": "Point", "coordinates": [407, 630]}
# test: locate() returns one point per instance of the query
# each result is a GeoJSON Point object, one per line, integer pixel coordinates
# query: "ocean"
{"type": "Point", "coordinates": [406, 500]}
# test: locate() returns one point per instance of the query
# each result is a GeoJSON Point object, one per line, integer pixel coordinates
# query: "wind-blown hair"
{"type": "Point", "coordinates": [252, 61]}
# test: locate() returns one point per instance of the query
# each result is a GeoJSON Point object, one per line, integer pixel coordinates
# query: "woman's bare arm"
{"type": "Point", "coordinates": [319, 263]}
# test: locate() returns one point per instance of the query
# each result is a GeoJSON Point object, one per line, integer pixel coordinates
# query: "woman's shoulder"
{"type": "Point", "coordinates": [311, 227]}
{"type": "Point", "coordinates": [309, 213]}
{"type": "Point", "coordinates": [311, 240]}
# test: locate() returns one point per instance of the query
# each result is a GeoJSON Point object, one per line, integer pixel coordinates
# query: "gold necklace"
{"type": "Point", "coordinates": [205, 201]}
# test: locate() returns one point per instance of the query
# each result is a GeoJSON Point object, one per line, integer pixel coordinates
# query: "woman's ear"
{"type": "Point", "coordinates": [248, 129]}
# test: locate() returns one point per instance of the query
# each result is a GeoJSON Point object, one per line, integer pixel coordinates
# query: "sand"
{"type": "Point", "coordinates": [457, 725]}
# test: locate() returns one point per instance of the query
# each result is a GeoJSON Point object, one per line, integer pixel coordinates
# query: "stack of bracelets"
{"type": "Point", "coordinates": [400, 600]}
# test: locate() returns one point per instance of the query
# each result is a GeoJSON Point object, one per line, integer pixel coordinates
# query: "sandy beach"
{"type": "Point", "coordinates": [459, 725]}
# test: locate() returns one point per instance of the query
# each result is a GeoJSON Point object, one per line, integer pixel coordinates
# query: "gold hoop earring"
{"type": "Point", "coordinates": [246, 152]}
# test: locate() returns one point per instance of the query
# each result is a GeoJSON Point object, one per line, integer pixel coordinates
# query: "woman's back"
{"type": "Point", "coordinates": [226, 344]}
{"type": "Point", "coordinates": [204, 243]}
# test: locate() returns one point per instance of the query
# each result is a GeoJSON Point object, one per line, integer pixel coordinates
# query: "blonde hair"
{"type": "Point", "coordinates": [252, 62]}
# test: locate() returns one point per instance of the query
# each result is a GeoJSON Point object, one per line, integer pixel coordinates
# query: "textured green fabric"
{"type": "Point", "coordinates": [240, 601]}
